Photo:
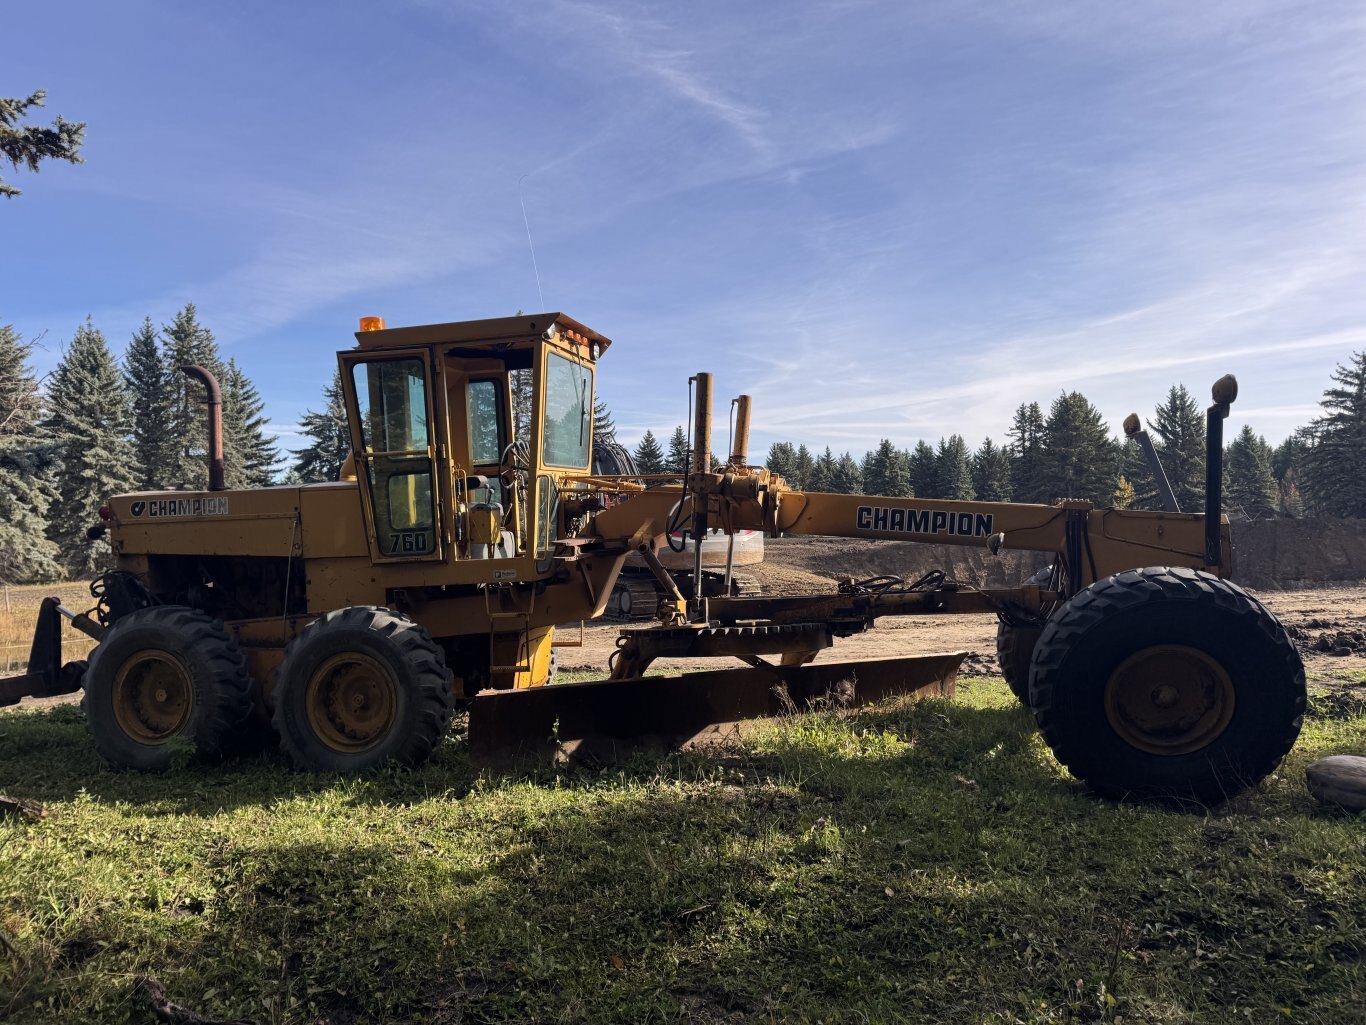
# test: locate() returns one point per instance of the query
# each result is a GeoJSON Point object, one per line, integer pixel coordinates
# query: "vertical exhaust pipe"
{"type": "Point", "coordinates": [1224, 392]}
{"type": "Point", "coordinates": [701, 462]}
{"type": "Point", "coordinates": [739, 449]}
{"type": "Point", "coordinates": [217, 471]}
{"type": "Point", "coordinates": [1134, 429]}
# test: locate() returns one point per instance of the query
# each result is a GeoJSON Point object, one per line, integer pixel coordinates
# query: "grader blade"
{"type": "Point", "coordinates": [606, 719]}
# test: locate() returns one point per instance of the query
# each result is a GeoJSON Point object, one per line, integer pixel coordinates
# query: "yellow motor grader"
{"type": "Point", "coordinates": [351, 618]}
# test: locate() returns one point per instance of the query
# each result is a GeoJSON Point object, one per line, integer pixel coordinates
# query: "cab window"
{"type": "Point", "coordinates": [568, 431]}
{"type": "Point", "coordinates": [484, 417]}
{"type": "Point", "coordinates": [391, 398]}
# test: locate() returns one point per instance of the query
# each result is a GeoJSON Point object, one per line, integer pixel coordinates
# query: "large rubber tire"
{"type": "Point", "coordinates": [160, 677]}
{"type": "Point", "coordinates": [1015, 653]}
{"type": "Point", "coordinates": [1167, 683]}
{"type": "Point", "coordinates": [1015, 646]}
{"type": "Point", "coordinates": [361, 687]}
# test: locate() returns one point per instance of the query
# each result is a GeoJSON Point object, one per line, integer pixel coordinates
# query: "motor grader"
{"type": "Point", "coordinates": [352, 617]}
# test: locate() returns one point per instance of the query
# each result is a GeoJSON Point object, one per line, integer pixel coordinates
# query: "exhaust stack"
{"type": "Point", "coordinates": [739, 448]}
{"type": "Point", "coordinates": [1224, 392]}
{"type": "Point", "coordinates": [701, 468]}
{"type": "Point", "coordinates": [217, 471]}
{"type": "Point", "coordinates": [1134, 429]}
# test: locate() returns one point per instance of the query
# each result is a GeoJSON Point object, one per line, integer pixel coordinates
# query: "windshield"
{"type": "Point", "coordinates": [568, 429]}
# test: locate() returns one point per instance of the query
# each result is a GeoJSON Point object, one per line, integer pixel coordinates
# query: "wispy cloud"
{"type": "Point", "coordinates": [882, 219]}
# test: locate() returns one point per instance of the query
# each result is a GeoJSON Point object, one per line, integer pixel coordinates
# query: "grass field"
{"type": "Point", "coordinates": [922, 862]}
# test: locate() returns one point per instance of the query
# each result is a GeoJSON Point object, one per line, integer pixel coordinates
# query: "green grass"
{"type": "Point", "coordinates": [922, 862]}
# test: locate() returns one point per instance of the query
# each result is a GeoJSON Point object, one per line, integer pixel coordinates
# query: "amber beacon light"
{"type": "Point", "coordinates": [372, 323]}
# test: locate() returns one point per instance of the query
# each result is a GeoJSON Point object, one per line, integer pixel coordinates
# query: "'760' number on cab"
{"type": "Point", "coordinates": [408, 542]}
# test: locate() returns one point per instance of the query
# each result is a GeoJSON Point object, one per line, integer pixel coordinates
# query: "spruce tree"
{"type": "Point", "coordinates": [648, 455]}
{"type": "Point", "coordinates": [26, 554]}
{"type": "Point", "coordinates": [1027, 451]}
{"type": "Point", "coordinates": [846, 479]}
{"type": "Point", "coordinates": [252, 455]}
{"type": "Point", "coordinates": [1333, 468]}
{"type": "Point", "coordinates": [88, 420]}
{"type": "Point", "coordinates": [802, 465]}
{"type": "Point", "coordinates": [678, 452]}
{"type": "Point", "coordinates": [923, 468]}
{"type": "Point", "coordinates": [991, 472]}
{"type": "Point", "coordinates": [782, 460]}
{"type": "Point", "coordinates": [28, 145]}
{"type": "Point", "coordinates": [1249, 485]}
{"type": "Point", "coordinates": [144, 374]}
{"type": "Point", "coordinates": [888, 474]}
{"type": "Point", "coordinates": [604, 427]}
{"type": "Point", "coordinates": [186, 342]}
{"type": "Point", "coordinates": [1179, 427]}
{"type": "Point", "coordinates": [321, 460]}
{"type": "Point", "coordinates": [1286, 461]}
{"type": "Point", "coordinates": [1289, 454]}
{"type": "Point", "coordinates": [955, 468]}
{"type": "Point", "coordinates": [1079, 460]}
{"type": "Point", "coordinates": [822, 472]}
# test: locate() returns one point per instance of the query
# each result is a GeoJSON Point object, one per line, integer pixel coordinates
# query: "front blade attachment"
{"type": "Point", "coordinates": [46, 676]}
{"type": "Point", "coordinates": [607, 719]}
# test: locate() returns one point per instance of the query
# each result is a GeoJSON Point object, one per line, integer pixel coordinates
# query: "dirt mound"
{"type": "Point", "coordinates": [1267, 555]}
{"type": "Point", "coordinates": [1332, 641]}
{"type": "Point", "coordinates": [1287, 554]}
{"type": "Point", "coordinates": [793, 563]}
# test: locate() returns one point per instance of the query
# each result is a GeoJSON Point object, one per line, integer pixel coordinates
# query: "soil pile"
{"type": "Point", "coordinates": [1286, 554]}
{"type": "Point", "coordinates": [1336, 642]}
{"type": "Point", "coordinates": [1267, 555]}
{"type": "Point", "coordinates": [801, 565]}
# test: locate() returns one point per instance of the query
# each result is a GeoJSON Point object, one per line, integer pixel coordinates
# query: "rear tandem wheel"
{"type": "Point", "coordinates": [359, 687]}
{"type": "Point", "coordinates": [1015, 646]}
{"type": "Point", "coordinates": [1167, 683]}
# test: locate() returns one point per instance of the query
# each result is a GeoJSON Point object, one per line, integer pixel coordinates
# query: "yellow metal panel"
{"type": "Point", "coordinates": [332, 521]}
{"type": "Point", "coordinates": [483, 525]}
{"type": "Point", "coordinates": [259, 522]}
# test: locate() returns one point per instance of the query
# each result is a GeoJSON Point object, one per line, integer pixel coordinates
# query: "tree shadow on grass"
{"type": "Point", "coordinates": [926, 864]}
{"type": "Point", "coordinates": [47, 756]}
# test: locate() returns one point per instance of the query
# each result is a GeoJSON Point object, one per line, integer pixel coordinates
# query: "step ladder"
{"type": "Point", "coordinates": [516, 616]}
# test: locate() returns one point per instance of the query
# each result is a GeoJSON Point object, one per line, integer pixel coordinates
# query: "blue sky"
{"type": "Point", "coordinates": [880, 219]}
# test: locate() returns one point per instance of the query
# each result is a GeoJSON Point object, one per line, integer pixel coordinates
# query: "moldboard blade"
{"type": "Point", "coordinates": [601, 720]}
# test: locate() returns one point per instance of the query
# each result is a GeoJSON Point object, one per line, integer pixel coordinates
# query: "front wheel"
{"type": "Point", "coordinates": [163, 675]}
{"type": "Point", "coordinates": [1167, 683]}
{"type": "Point", "coordinates": [360, 687]}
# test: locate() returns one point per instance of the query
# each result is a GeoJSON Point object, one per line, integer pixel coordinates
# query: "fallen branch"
{"type": "Point", "coordinates": [21, 808]}
{"type": "Point", "coordinates": [155, 995]}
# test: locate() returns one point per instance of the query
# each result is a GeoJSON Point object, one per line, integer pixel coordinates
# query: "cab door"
{"type": "Point", "coordinates": [389, 405]}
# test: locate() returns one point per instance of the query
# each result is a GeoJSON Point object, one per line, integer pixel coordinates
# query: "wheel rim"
{"type": "Point", "coordinates": [351, 702]}
{"type": "Point", "coordinates": [153, 697]}
{"type": "Point", "coordinates": [1169, 699]}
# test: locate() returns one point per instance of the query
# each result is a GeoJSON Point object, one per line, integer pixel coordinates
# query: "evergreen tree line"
{"type": "Point", "coordinates": [98, 426]}
{"type": "Point", "coordinates": [1070, 452]}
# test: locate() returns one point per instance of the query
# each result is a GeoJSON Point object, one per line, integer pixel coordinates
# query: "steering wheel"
{"type": "Point", "coordinates": [517, 458]}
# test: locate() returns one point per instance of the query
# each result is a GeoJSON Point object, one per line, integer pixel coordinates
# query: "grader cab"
{"type": "Point", "coordinates": [349, 619]}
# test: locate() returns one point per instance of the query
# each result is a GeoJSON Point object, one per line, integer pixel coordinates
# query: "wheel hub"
{"type": "Point", "coordinates": [351, 701]}
{"type": "Point", "coordinates": [153, 697]}
{"type": "Point", "coordinates": [1169, 699]}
